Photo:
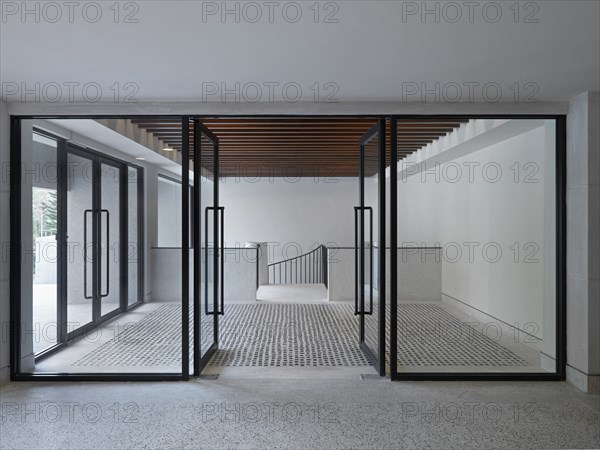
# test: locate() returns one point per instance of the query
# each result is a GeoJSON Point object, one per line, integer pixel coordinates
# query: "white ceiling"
{"type": "Point", "coordinates": [91, 134]}
{"type": "Point", "coordinates": [368, 54]}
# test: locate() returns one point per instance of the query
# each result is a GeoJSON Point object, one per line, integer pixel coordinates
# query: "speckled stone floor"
{"type": "Point", "coordinates": [292, 413]}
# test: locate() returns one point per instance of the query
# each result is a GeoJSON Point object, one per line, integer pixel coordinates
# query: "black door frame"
{"type": "Point", "coordinates": [375, 356]}
{"type": "Point", "coordinates": [65, 148]}
{"type": "Point", "coordinates": [16, 253]}
{"type": "Point", "coordinates": [96, 159]}
{"type": "Point", "coordinates": [201, 361]}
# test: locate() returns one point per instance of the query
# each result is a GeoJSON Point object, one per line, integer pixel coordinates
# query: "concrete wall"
{"type": "Point", "coordinates": [151, 224]}
{"type": "Point", "coordinates": [341, 274]}
{"type": "Point", "coordinates": [583, 243]}
{"type": "Point", "coordinates": [4, 242]}
{"type": "Point", "coordinates": [240, 274]}
{"type": "Point", "coordinates": [169, 213]}
{"type": "Point", "coordinates": [165, 278]}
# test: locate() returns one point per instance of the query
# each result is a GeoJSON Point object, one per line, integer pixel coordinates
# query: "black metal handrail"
{"type": "Point", "coordinates": [303, 269]}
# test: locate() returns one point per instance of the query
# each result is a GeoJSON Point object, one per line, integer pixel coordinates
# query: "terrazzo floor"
{"type": "Point", "coordinates": [292, 413]}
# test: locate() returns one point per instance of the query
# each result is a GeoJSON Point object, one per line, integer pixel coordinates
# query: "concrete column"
{"type": "Point", "coordinates": [583, 243]}
{"type": "Point", "coordinates": [28, 328]}
{"type": "Point", "coordinates": [4, 242]}
{"type": "Point", "coordinates": [263, 261]}
{"type": "Point", "coordinates": [151, 223]}
{"type": "Point", "coordinates": [548, 326]}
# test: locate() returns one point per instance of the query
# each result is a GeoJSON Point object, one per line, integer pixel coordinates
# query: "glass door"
{"type": "Point", "coordinates": [370, 246]}
{"type": "Point", "coordinates": [109, 237]}
{"type": "Point", "coordinates": [208, 246]}
{"type": "Point", "coordinates": [80, 228]}
{"type": "Point", "coordinates": [92, 242]}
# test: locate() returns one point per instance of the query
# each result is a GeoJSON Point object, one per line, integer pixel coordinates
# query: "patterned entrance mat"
{"type": "Point", "coordinates": [311, 335]}
{"type": "Point", "coordinates": [289, 335]}
{"type": "Point", "coordinates": [430, 336]}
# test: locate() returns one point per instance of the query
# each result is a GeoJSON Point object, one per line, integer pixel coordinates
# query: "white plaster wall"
{"type": "Point", "coordinates": [438, 210]}
{"type": "Point", "coordinates": [419, 274]}
{"type": "Point", "coordinates": [292, 215]}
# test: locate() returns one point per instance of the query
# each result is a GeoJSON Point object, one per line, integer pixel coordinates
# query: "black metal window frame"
{"type": "Point", "coordinates": [560, 197]}
{"type": "Point", "coordinates": [63, 148]}
{"type": "Point", "coordinates": [15, 255]}
{"type": "Point", "coordinates": [65, 338]}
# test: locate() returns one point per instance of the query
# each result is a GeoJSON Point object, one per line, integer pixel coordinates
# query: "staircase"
{"type": "Point", "coordinates": [310, 268]}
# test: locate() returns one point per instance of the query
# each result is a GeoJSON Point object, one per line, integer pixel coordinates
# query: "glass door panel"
{"type": "Point", "coordinates": [208, 293]}
{"type": "Point", "coordinates": [44, 215]}
{"type": "Point", "coordinates": [80, 247]}
{"type": "Point", "coordinates": [371, 247]}
{"type": "Point", "coordinates": [109, 244]}
{"type": "Point", "coordinates": [133, 236]}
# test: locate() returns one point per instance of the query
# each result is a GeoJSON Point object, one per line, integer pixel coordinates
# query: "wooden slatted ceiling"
{"type": "Point", "coordinates": [298, 146]}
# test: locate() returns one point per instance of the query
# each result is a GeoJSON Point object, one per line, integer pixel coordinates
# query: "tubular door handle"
{"type": "Point", "coordinates": [222, 255]}
{"type": "Point", "coordinates": [356, 262]}
{"type": "Point", "coordinates": [359, 288]}
{"type": "Point", "coordinates": [107, 253]}
{"type": "Point", "coordinates": [219, 253]}
{"type": "Point", "coordinates": [85, 254]}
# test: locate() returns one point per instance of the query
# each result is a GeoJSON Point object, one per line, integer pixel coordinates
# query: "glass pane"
{"type": "Point", "coordinates": [110, 238]}
{"type": "Point", "coordinates": [75, 194]}
{"type": "Point", "coordinates": [80, 243]}
{"type": "Point", "coordinates": [371, 247]}
{"type": "Point", "coordinates": [169, 213]}
{"type": "Point", "coordinates": [44, 214]}
{"type": "Point", "coordinates": [207, 325]}
{"type": "Point", "coordinates": [476, 274]}
{"type": "Point", "coordinates": [133, 249]}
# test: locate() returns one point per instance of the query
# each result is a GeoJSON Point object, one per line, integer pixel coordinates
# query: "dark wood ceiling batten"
{"type": "Point", "coordinates": [298, 146]}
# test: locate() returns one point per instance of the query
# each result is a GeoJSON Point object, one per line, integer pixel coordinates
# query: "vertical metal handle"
{"type": "Point", "coordinates": [257, 266]}
{"type": "Point", "coordinates": [85, 255]}
{"type": "Point", "coordinates": [219, 265]}
{"type": "Point", "coordinates": [356, 268]}
{"type": "Point", "coordinates": [368, 208]}
{"type": "Point", "coordinates": [206, 311]}
{"type": "Point", "coordinates": [222, 255]}
{"type": "Point", "coordinates": [107, 253]}
{"type": "Point", "coordinates": [359, 265]}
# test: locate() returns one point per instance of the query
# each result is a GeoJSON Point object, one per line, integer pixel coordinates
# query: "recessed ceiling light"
{"type": "Point", "coordinates": [141, 159]}
{"type": "Point", "coordinates": [167, 149]}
